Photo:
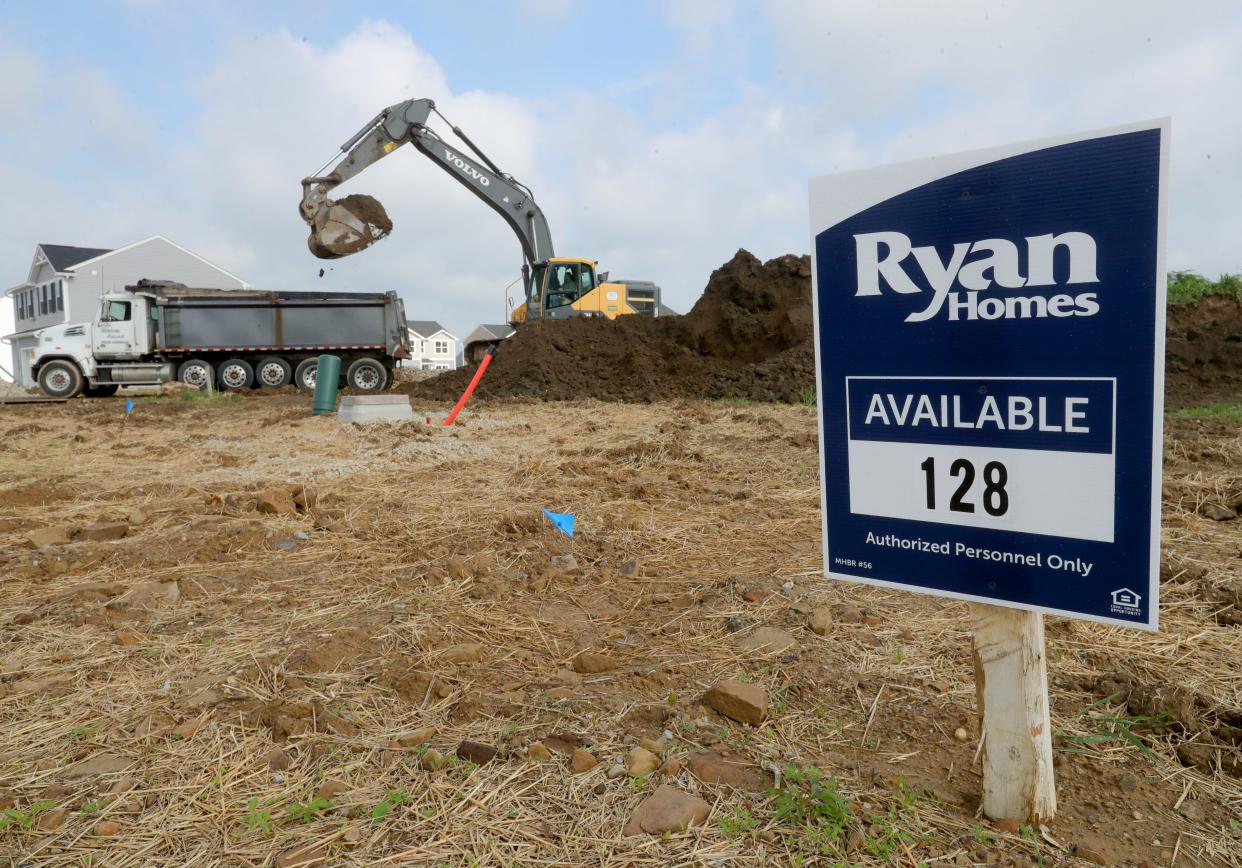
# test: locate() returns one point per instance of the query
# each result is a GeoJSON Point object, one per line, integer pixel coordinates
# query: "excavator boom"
{"type": "Point", "coordinates": [349, 225]}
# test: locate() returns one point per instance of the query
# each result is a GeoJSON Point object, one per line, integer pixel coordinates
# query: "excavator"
{"type": "Point", "coordinates": [556, 287]}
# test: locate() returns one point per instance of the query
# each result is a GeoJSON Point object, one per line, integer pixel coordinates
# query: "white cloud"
{"type": "Point", "coordinates": [963, 74]}
{"type": "Point", "coordinates": [664, 195]}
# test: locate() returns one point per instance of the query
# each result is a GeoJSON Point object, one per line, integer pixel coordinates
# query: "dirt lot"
{"type": "Point", "coordinates": [181, 694]}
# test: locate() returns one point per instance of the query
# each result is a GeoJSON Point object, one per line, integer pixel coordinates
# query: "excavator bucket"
{"type": "Point", "coordinates": [345, 226]}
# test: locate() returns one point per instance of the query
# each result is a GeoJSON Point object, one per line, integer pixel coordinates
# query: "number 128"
{"type": "Point", "coordinates": [995, 497]}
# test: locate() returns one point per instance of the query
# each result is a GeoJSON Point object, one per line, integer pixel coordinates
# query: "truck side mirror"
{"type": "Point", "coordinates": [603, 277]}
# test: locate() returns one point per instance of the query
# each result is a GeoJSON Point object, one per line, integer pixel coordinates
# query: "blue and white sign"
{"type": "Point", "coordinates": [989, 331]}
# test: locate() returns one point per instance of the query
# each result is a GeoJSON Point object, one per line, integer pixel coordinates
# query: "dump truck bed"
{"type": "Point", "coordinates": [193, 319]}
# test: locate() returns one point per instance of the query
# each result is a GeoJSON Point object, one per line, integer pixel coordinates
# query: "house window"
{"type": "Point", "coordinates": [20, 304]}
{"type": "Point", "coordinates": [43, 298]}
{"type": "Point", "coordinates": [60, 295]}
{"type": "Point", "coordinates": [441, 348]}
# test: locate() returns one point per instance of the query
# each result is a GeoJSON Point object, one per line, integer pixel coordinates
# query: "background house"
{"type": "Point", "coordinates": [485, 334]}
{"type": "Point", "coordinates": [65, 283]}
{"type": "Point", "coordinates": [432, 346]}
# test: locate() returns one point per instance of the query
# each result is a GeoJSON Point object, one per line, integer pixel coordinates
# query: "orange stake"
{"type": "Point", "coordinates": [465, 396]}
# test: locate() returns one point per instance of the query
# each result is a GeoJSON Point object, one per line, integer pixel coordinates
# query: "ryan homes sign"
{"type": "Point", "coordinates": [990, 341]}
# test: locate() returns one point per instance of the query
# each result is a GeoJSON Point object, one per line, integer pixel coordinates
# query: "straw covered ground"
{"type": "Point", "coordinates": [186, 680]}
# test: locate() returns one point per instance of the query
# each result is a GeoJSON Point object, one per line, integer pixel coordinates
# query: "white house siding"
{"type": "Point", "coordinates": [155, 259]}
{"type": "Point", "coordinates": [43, 275]}
{"type": "Point", "coordinates": [443, 359]}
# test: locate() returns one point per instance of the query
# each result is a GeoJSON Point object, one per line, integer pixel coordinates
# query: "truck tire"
{"type": "Point", "coordinates": [105, 391]}
{"type": "Point", "coordinates": [366, 375]}
{"type": "Point", "coordinates": [304, 374]}
{"type": "Point", "coordinates": [61, 379]}
{"type": "Point", "coordinates": [273, 372]}
{"type": "Point", "coordinates": [235, 374]}
{"type": "Point", "coordinates": [197, 373]}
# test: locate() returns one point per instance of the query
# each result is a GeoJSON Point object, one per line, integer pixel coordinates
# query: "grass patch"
{"type": "Point", "coordinates": [1232, 412]}
{"type": "Point", "coordinates": [392, 799]}
{"type": "Point", "coordinates": [23, 819]}
{"type": "Point", "coordinates": [1187, 286]}
{"type": "Point", "coordinates": [257, 817]}
{"type": "Point", "coordinates": [306, 813]}
{"type": "Point", "coordinates": [1107, 729]}
{"type": "Point", "coordinates": [809, 802]}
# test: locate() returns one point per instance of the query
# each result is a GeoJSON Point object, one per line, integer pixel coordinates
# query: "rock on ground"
{"type": "Point", "coordinates": [712, 768]}
{"type": "Point", "coordinates": [668, 809]}
{"type": "Point", "coordinates": [821, 622]}
{"type": "Point", "coordinates": [768, 640]}
{"type": "Point", "coordinates": [641, 762]}
{"type": "Point", "coordinates": [582, 761]}
{"type": "Point", "coordinates": [49, 536]}
{"type": "Point", "coordinates": [737, 700]}
{"type": "Point", "coordinates": [477, 752]}
{"type": "Point", "coordinates": [103, 531]}
{"type": "Point", "coordinates": [589, 663]}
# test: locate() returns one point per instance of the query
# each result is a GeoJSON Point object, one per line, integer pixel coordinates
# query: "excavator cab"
{"type": "Point", "coordinates": [561, 282]}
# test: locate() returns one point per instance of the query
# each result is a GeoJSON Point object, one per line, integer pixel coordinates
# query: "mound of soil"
{"type": "Point", "coordinates": [749, 335]}
{"type": "Point", "coordinates": [1203, 363]}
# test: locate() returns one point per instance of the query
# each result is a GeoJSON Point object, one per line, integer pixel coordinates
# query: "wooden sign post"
{"type": "Point", "coordinates": [1011, 682]}
{"type": "Point", "coordinates": [989, 336]}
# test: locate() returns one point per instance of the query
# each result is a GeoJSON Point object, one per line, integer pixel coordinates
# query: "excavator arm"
{"type": "Point", "coordinates": [340, 228]}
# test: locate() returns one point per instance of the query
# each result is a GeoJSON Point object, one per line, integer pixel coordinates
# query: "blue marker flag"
{"type": "Point", "coordinates": [564, 521]}
{"type": "Point", "coordinates": [129, 405]}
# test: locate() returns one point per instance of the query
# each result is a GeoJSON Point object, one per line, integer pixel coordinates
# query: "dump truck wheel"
{"type": "Point", "coordinates": [236, 374]}
{"type": "Point", "coordinates": [273, 372]}
{"type": "Point", "coordinates": [304, 375]}
{"type": "Point", "coordinates": [366, 375]}
{"type": "Point", "coordinates": [197, 373]}
{"type": "Point", "coordinates": [60, 379]}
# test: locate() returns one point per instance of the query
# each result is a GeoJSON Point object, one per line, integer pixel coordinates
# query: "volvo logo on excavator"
{"type": "Point", "coordinates": [466, 168]}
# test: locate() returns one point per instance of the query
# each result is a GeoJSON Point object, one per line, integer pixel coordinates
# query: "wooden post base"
{"type": "Point", "coordinates": [1011, 680]}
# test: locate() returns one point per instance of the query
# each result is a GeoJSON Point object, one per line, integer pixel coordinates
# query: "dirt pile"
{"type": "Point", "coordinates": [749, 336]}
{"type": "Point", "coordinates": [1204, 352]}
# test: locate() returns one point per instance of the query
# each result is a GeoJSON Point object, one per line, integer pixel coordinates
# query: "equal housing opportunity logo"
{"type": "Point", "coordinates": [1126, 602]}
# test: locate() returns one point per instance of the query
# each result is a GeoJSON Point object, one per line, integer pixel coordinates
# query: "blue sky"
{"type": "Point", "coordinates": [659, 137]}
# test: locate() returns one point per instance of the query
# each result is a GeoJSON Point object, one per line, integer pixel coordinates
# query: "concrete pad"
{"type": "Point", "coordinates": [374, 408]}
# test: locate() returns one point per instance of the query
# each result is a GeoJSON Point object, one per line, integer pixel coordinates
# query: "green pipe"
{"type": "Point", "coordinates": [327, 376]}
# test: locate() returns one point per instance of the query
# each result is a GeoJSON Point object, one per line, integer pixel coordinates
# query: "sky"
{"type": "Point", "coordinates": [658, 137]}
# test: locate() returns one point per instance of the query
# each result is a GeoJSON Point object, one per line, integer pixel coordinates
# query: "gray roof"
{"type": "Point", "coordinates": [63, 257]}
{"type": "Point", "coordinates": [665, 310]}
{"type": "Point", "coordinates": [424, 327]}
{"type": "Point", "coordinates": [488, 332]}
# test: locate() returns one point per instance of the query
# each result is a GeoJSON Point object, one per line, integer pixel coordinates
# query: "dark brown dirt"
{"type": "Point", "coordinates": [748, 336]}
{"type": "Point", "coordinates": [1204, 357]}
{"type": "Point", "coordinates": [369, 210]}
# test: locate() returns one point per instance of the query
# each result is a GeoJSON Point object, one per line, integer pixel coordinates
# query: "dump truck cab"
{"type": "Point", "coordinates": [126, 326]}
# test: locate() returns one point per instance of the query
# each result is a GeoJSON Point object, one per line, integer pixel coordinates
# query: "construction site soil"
{"type": "Point", "coordinates": [1204, 352]}
{"type": "Point", "coordinates": [750, 336]}
{"type": "Point", "coordinates": [233, 633]}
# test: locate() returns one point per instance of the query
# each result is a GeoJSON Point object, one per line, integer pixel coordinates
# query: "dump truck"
{"type": "Point", "coordinates": [158, 331]}
{"type": "Point", "coordinates": [556, 287]}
